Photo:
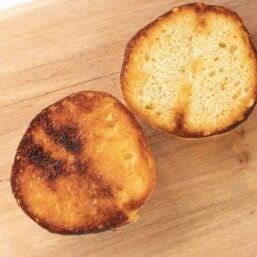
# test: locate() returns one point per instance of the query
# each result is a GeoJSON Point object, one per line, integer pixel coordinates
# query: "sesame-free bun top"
{"type": "Point", "coordinates": [192, 72]}
{"type": "Point", "coordinates": [83, 165]}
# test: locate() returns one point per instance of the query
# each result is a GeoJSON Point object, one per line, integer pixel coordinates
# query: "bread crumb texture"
{"type": "Point", "coordinates": [192, 72]}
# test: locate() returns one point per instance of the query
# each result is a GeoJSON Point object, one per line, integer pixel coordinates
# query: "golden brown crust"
{"type": "Point", "coordinates": [179, 129]}
{"type": "Point", "coordinates": [57, 156]}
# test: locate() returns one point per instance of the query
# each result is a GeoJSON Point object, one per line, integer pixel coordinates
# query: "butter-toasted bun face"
{"type": "Point", "coordinates": [83, 165]}
{"type": "Point", "coordinates": [192, 72]}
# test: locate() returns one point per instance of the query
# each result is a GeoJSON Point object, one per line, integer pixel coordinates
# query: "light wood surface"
{"type": "Point", "coordinates": [205, 202]}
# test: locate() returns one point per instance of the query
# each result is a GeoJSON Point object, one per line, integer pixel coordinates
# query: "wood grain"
{"type": "Point", "coordinates": [205, 202]}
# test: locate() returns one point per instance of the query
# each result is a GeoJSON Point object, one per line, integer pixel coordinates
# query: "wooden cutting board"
{"type": "Point", "coordinates": [205, 202]}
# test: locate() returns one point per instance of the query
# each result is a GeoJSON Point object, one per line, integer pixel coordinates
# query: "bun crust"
{"type": "Point", "coordinates": [83, 165]}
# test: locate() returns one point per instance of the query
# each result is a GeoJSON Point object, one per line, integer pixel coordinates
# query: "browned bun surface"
{"type": "Point", "coordinates": [83, 165]}
{"type": "Point", "coordinates": [192, 72]}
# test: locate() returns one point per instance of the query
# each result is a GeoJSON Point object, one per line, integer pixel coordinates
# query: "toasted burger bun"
{"type": "Point", "coordinates": [192, 72]}
{"type": "Point", "coordinates": [83, 165]}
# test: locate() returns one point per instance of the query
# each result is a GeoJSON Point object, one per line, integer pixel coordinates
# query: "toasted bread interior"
{"type": "Point", "coordinates": [192, 72]}
{"type": "Point", "coordinates": [83, 165]}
